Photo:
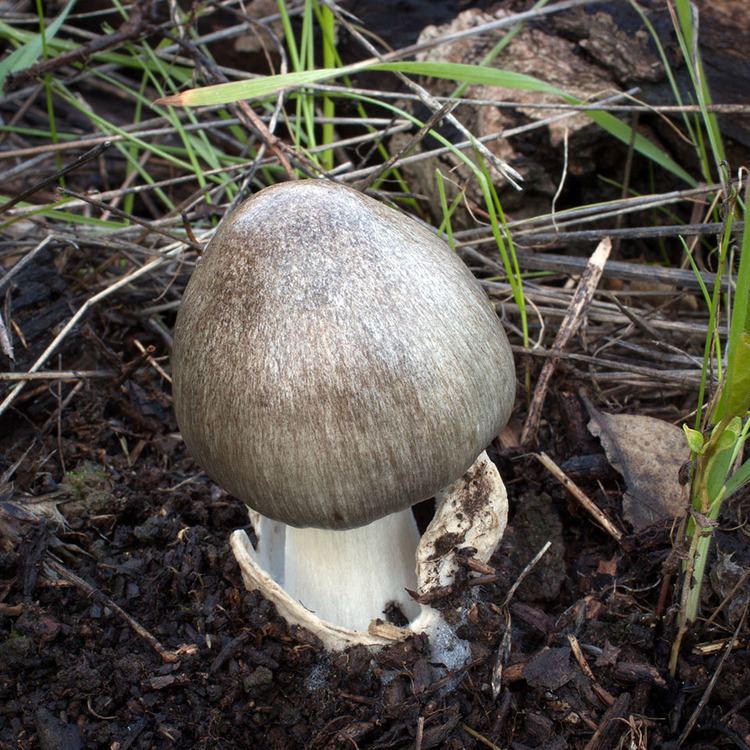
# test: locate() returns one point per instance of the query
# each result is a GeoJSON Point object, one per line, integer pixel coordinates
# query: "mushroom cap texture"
{"type": "Point", "coordinates": [334, 361]}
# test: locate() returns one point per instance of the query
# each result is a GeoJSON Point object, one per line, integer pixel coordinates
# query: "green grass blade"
{"type": "Point", "coordinates": [497, 49]}
{"type": "Point", "coordinates": [291, 42]}
{"type": "Point", "coordinates": [687, 37]}
{"type": "Point", "coordinates": [234, 91]}
{"type": "Point", "coordinates": [446, 225]}
{"type": "Point", "coordinates": [477, 75]}
{"type": "Point", "coordinates": [27, 54]}
{"type": "Point", "coordinates": [459, 72]}
{"type": "Point", "coordinates": [326, 21]}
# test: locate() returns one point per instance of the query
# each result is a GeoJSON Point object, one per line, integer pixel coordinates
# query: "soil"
{"type": "Point", "coordinates": [124, 622]}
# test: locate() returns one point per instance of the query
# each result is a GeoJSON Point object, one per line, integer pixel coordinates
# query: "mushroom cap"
{"type": "Point", "coordinates": [334, 361]}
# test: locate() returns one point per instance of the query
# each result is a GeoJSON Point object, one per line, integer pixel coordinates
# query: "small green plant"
{"type": "Point", "coordinates": [718, 441]}
{"type": "Point", "coordinates": [721, 429]}
{"type": "Point", "coordinates": [86, 478]}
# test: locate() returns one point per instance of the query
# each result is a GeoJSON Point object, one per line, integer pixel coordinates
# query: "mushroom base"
{"type": "Point", "coordinates": [337, 583]}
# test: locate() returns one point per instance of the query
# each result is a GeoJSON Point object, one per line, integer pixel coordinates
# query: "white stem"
{"type": "Point", "coordinates": [350, 577]}
{"type": "Point", "coordinates": [335, 583]}
{"type": "Point", "coordinates": [334, 637]}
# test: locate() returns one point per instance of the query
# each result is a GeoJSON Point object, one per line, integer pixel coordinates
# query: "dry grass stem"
{"type": "Point", "coordinates": [79, 314]}
{"type": "Point", "coordinates": [151, 226]}
{"type": "Point", "coordinates": [604, 695]}
{"type": "Point", "coordinates": [503, 651]}
{"type": "Point", "coordinates": [12, 377]}
{"type": "Point", "coordinates": [432, 122]}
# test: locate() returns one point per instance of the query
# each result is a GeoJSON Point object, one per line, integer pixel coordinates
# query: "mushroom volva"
{"type": "Point", "coordinates": [334, 364]}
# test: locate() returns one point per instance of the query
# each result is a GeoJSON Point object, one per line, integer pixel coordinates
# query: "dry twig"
{"type": "Point", "coordinates": [572, 322]}
{"type": "Point", "coordinates": [503, 650]}
{"type": "Point", "coordinates": [434, 119]}
{"type": "Point", "coordinates": [151, 226]}
{"type": "Point", "coordinates": [167, 656]}
{"type": "Point", "coordinates": [610, 727]}
{"type": "Point", "coordinates": [79, 314]}
{"type": "Point", "coordinates": [586, 502]}
{"type": "Point", "coordinates": [603, 694]}
{"type": "Point", "coordinates": [712, 682]}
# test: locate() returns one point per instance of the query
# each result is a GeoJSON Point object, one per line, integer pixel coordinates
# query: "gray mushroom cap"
{"type": "Point", "coordinates": [334, 361]}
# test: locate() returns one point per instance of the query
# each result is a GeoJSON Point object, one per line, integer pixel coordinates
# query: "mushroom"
{"type": "Point", "coordinates": [335, 363]}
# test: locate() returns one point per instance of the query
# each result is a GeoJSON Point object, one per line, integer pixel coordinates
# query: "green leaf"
{"type": "Point", "coordinates": [730, 434]}
{"type": "Point", "coordinates": [717, 472]}
{"type": "Point", "coordinates": [694, 439]}
{"type": "Point", "coordinates": [474, 75]}
{"type": "Point", "coordinates": [227, 93]}
{"type": "Point", "coordinates": [735, 393]}
{"type": "Point", "coordinates": [27, 54]}
{"type": "Point", "coordinates": [720, 462]}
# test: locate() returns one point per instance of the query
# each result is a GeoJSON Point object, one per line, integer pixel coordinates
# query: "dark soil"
{"type": "Point", "coordinates": [124, 622]}
{"type": "Point", "coordinates": [146, 530]}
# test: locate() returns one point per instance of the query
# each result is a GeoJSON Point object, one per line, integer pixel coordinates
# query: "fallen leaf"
{"type": "Point", "coordinates": [550, 668]}
{"type": "Point", "coordinates": [648, 452]}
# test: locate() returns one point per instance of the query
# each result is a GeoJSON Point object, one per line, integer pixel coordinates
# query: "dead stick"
{"type": "Point", "coordinates": [80, 161]}
{"type": "Point", "coordinates": [77, 316]}
{"type": "Point", "coordinates": [728, 598]}
{"type": "Point", "coordinates": [610, 727]}
{"type": "Point", "coordinates": [587, 503]}
{"type": "Point", "coordinates": [130, 217]}
{"type": "Point", "coordinates": [434, 119]}
{"type": "Point", "coordinates": [712, 682]}
{"type": "Point", "coordinates": [25, 261]}
{"type": "Point", "coordinates": [574, 317]}
{"type": "Point", "coordinates": [251, 119]}
{"type": "Point", "coordinates": [499, 673]}
{"type": "Point", "coordinates": [167, 656]}
{"type": "Point", "coordinates": [419, 733]}
{"type": "Point", "coordinates": [14, 377]}
{"type": "Point", "coordinates": [479, 737]}
{"type": "Point", "coordinates": [603, 694]}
